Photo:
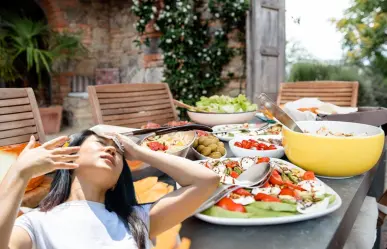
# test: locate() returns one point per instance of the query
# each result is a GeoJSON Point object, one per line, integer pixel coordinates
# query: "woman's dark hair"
{"type": "Point", "coordinates": [120, 200]}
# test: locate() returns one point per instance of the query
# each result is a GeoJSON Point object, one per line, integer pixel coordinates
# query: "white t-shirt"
{"type": "Point", "coordinates": [80, 224]}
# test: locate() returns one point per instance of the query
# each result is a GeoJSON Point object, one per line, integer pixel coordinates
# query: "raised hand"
{"type": "Point", "coordinates": [45, 158]}
{"type": "Point", "coordinates": [130, 147]}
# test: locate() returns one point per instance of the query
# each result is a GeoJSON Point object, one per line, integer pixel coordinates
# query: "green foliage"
{"type": "Point", "coordinates": [319, 71]}
{"type": "Point", "coordinates": [363, 27]}
{"type": "Point", "coordinates": [194, 52]}
{"type": "Point", "coordinates": [33, 45]}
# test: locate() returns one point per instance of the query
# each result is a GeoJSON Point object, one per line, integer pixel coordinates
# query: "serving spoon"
{"type": "Point", "coordinates": [256, 175]}
{"type": "Point", "coordinates": [183, 105]}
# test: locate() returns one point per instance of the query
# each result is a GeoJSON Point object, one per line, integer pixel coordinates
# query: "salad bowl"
{"type": "Point", "coordinates": [217, 110]}
{"type": "Point", "coordinates": [278, 152]}
{"type": "Point", "coordinates": [212, 119]}
{"type": "Point", "coordinates": [334, 149]}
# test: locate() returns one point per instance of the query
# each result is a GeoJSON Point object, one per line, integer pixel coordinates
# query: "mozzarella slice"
{"type": "Point", "coordinates": [287, 198]}
{"type": "Point", "coordinates": [269, 191]}
{"type": "Point", "coordinates": [247, 162]}
{"type": "Point", "coordinates": [315, 187]}
{"type": "Point", "coordinates": [310, 207]}
{"type": "Point", "coordinates": [244, 200]}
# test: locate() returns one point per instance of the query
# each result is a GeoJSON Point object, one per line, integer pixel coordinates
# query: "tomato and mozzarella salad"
{"type": "Point", "coordinates": [288, 191]}
{"type": "Point", "coordinates": [230, 169]}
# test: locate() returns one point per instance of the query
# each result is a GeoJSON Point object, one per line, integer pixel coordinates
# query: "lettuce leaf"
{"type": "Point", "coordinates": [225, 104]}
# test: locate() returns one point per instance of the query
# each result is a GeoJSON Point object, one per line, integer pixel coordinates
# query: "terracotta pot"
{"type": "Point", "coordinates": [51, 118]}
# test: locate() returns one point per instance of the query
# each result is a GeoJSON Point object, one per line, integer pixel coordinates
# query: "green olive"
{"type": "Point", "coordinates": [201, 139]}
{"type": "Point", "coordinates": [213, 147]}
{"type": "Point", "coordinates": [220, 144]}
{"type": "Point", "coordinates": [207, 142]}
{"type": "Point", "coordinates": [216, 139]}
{"type": "Point", "coordinates": [222, 150]}
{"type": "Point", "coordinates": [206, 151]}
{"type": "Point", "coordinates": [200, 148]}
{"type": "Point", "coordinates": [215, 155]}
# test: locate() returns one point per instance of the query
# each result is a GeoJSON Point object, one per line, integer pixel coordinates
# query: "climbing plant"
{"type": "Point", "coordinates": [194, 39]}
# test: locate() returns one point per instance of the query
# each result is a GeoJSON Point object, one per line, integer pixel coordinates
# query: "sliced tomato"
{"type": "Point", "coordinates": [231, 164]}
{"type": "Point", "coordinates": [272, 147]}
{"type": "Point", "coordinates": [266, 185]}
{"type": "Point", "coordinates": [247, 144]}
{"type": "Point", "coordinates": [234, 174]}
{"type": "Point", "coordinates": [266, 198]}
{"type": "Point", "coordinates": [308, 175]}
{"type": "Point", "coordinates": [238, 144]}
{"type": "Point", "coordinates": [276, 178]}
{"type": "Point", "coordinates": [228, 204]}
{"type": "Point", "coordinates": [287, 191]}
{"type": "Point", "coordinates": [293, 186]}
{"type": "Point", "coordinates": [201, 133]}
{"type": "Point", "coordinates": [242, 192]}
{"type": "Point", "coordinates": [156, 146]}
{"type": "Point", "coordinates": [263, 159]}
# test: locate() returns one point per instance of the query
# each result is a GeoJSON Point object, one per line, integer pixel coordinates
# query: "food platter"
{"type": "Point", "coordinates": [321, 210]}
{"type": "Point", "coordinates": [236, 130]}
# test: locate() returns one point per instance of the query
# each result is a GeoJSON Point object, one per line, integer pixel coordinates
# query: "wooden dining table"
{"type": "Point", "coordinates": [330, 231]}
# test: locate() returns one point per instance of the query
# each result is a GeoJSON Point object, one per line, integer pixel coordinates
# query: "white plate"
{"type": "Point", "coordinates": [275, 220]}
{"type": "Point", "coordinates": [226, 137]}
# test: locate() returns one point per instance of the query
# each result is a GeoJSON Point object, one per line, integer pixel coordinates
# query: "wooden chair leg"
{"type": "Point", "coordinates": [382, 207]}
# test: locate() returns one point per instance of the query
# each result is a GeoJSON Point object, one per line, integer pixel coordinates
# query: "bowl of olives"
{"type": "Point", "coordinates": [207, 147]}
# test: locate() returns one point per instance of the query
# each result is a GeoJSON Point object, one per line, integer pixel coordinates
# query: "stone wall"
{"type": "Point", "coordinates": [108, 33]}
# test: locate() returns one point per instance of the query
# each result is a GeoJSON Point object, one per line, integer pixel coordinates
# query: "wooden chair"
{"type": "Point", "coordinates": [19, 116]}
{"type": "Point", "coordinates": [340, 93]}
{"type": "Point", "coordinates": [132, 105]}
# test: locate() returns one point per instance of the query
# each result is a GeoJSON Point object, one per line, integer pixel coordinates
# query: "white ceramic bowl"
{"type": "Point", "coordinates": [212, 119]}
{"type": "Point", "coordinates": [240, 152]}
{"type": "Point", "coordinates": [201, 157]}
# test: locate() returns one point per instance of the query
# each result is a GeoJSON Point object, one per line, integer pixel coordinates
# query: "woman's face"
{"type": "Point", "coordinates": [100, 161]}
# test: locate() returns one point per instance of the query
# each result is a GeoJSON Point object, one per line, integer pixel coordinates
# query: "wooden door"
{"type": "Point", "coordinates": [265, 47]}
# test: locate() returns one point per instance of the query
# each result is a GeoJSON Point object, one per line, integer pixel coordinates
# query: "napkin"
{"type": "Point", "coordinates": [292, 109]}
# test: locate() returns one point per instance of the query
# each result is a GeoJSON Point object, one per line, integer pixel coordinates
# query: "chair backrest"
{"type": "Point", "coordinates": [132, 105]}
{"type": "Point", "coordinates": [19, 116]}
{"type": "Point", "coordinates": [340, 93]}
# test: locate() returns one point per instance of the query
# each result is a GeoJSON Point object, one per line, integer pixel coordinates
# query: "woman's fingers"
{"type": "Point", "coordinates": [66, 151]}
{"type": "Point", "coordinates": [31, 143]}
{"type": "Point", "coordinates": [64, 158]}
{"type": "Point", "coordinates": [55, 143]}
{"type": "Point", "coordinates": [63, 165]}
{"type": "Point", "coordinates": [29, 146]}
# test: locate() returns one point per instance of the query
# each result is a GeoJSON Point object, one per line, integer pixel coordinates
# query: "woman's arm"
{"type": "Point", "coordinates": [198, 183]}
{"type": "Point", "coordinates": [11, 193]}
{"type": "Point", "coordinates": [31, 162]}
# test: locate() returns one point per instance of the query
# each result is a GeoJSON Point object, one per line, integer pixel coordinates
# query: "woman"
{"type": "Point", "coordinates": [92, 202]}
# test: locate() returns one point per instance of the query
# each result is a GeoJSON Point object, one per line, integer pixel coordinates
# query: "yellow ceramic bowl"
{"type": "Point", "coordinates": [334, 156]}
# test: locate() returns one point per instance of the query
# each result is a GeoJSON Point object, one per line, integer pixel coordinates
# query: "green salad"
{"type": "Point", "coordinates": [225, 104]}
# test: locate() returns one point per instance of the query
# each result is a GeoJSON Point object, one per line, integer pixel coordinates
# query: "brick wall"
{"type": "Point", "coordinates": [108, 33]}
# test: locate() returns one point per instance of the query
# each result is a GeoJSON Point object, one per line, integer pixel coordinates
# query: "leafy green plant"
{"type": "Point", "coordinates": [32, 46]}
{"type": "Point", "coordinates": [364, 31]}
{"type": "Point", "coordinates": [195, 50]}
